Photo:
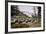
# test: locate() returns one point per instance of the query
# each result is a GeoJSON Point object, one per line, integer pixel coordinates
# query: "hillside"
{"type": "Point", "coordinates": [20, 20]}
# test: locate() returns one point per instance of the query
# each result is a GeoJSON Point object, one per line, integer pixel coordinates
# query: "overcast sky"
{"type": "Point", "coordinates": [28, 10]}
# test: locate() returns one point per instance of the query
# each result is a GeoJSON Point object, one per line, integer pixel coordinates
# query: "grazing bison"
{"type": "Point", "coordinates": [16, 21]}
{"type": "Point", "coordinates": [12, 21]}
{"type": "Point", "coordinates": [28, 21]}
{"type": "Point", "coordinates": [32, 21]}
{"type": "Point", "coordinates": [20, 22]}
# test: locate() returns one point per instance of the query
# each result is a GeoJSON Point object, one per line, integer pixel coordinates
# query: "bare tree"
{"type": "Point", "coordinates": [39, 11]}
{"type": "Point", "coordinates": [34, 15]}
{"type": "Point", "coordinates": [14, 10]}
{"type": "Point", "coordinates": [34, 11]}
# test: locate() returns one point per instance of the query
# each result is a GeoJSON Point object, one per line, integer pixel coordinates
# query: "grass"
{"type": "Point", "coordinates": [19, 26]}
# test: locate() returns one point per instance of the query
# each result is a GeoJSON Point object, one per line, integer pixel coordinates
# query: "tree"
{"type": "Point", "coordinates": [34, 12]}
{"type": "Point", "coordinates": [39, 11]}
{"type": "Point", "coordinates": [34, 15]}
{"type": "Point", "coordinates": [14, 10]}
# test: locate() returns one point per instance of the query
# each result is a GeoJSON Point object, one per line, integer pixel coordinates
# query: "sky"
{"type": "Point", "coordinates": [28, 10]}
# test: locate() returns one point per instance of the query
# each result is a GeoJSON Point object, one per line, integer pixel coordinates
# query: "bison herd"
{"type": "Point", "coordinates": [23, 20]}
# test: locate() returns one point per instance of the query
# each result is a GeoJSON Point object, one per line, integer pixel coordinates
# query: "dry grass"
{"type": "Point", "coordinates": [19, 26]}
